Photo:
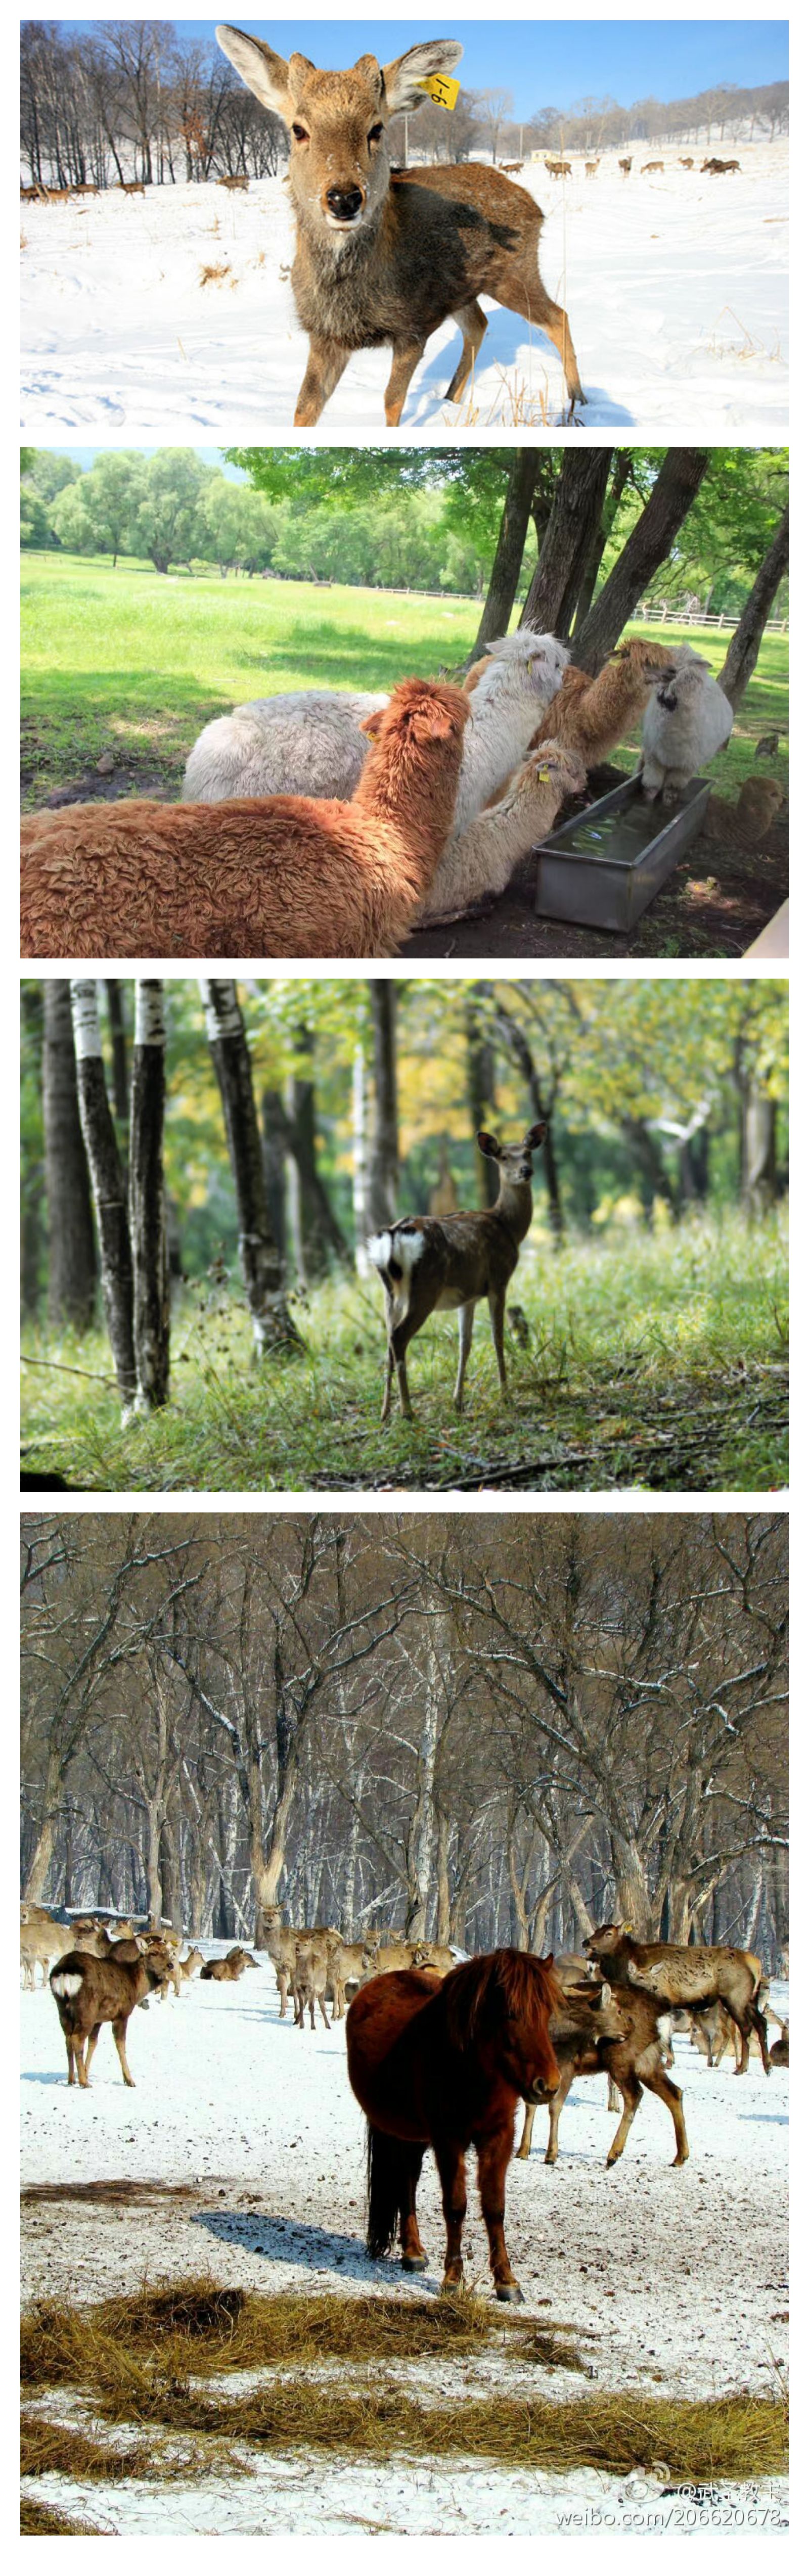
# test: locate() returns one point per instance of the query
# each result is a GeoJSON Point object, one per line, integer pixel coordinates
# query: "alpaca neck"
{"type": "Point", "coordinates": [416, 801]}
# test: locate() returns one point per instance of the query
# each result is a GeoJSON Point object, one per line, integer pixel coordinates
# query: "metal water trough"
{"type": "Point", "coordinates": [608, 888]}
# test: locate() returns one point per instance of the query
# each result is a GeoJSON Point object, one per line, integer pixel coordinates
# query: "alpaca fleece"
{"type": "Point", "coordinates": [593, 715]}
{"type": "Point", "coordinates": [680, 737]}
{"type": "Point", "coordinates": [279, 877]}
{"type": "Point", "coordinates": [756, 806]}
{"type": "Point", "coordinates": [304, 742]}
{"type": "Point", "coordinates": [482, 860]}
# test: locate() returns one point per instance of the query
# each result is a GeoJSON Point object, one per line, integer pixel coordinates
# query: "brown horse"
{"type": "Point", "coordinates": [442, 2062]}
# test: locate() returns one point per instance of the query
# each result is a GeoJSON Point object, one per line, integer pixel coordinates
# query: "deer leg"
{"type": "Point", "coordinates": [323, 2010]}
{"type": "Point", "coordinates": [452, 2176]}
{"type": "Point", "coordinates": [71, 2059]}
{"type": "Point", "coordinates": [760, 2027]}
{"type": "Point", "coordinates": [119, 2036]}
{"type": "Point", "coordinates": [325, 365]}
{"type": "Point", "coordinates": [631, 2091]}
{"type": "Point", "coordinates": [466, 1318]}
{"type": "Point", "coordinates": [78, 2052]}
{"type": "Point", "coordinates": [406, 355]}
{"type": "Point", "coordinates": [472, 322]}
{"type": "Point", "coordinates": [493, 2161]}
{"type": "Point", "coordinates": [556, 2107]}
{"type": "Point", "coordinates": [524, 2148]}
{"type": "Point", "coordinates": [670, 2094]}
{"type": "Point", "coordinates": [613, 2095]}
{"type": "Point", "coordinates": [414, 2258]}
{"type": "Point", "coordinates": [388, 1357]}
{"type": "Point", "coordinates": [528, 297]}
{"type": "Point", "coordinates": [91, 2047]}
{"type": "Point", "coordinates": [497, 1312]}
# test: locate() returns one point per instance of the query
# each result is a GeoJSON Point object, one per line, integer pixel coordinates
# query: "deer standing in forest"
{"type": "Point", "coordinates": [438, 1262]}
{"type": "Point", "coordinates": [381, 256]}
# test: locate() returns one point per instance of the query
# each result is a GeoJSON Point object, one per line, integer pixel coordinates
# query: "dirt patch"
{"type": "Point", "coordinates": [141, 2193]}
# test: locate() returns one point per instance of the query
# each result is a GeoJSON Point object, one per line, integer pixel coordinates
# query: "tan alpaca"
{"type": "Point", "coordinates": [482, 860]}
{"type": "Point", "coordinates": [757, 803]}
{"type": "Point", "coordinates": [280, 876]}
{"type": "Point", "coordinates": [593, 716]}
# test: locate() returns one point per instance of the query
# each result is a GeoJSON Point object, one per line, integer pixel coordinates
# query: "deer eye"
{"type": "Point", "coordinates": [376, 133]}
{"type": "Point", "coordinates": [300, 134]}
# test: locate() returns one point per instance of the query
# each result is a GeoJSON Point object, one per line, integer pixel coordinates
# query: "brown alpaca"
{"type": "Point", "coordinates": [275, 876]}
{"type": "Point", "coordinates": [749, 820]}
{"type": "Point", "coordinates": [592, 716]}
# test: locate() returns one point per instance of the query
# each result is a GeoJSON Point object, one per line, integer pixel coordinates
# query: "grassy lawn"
{"type": "Point", "coordinates": [655, 1361]}
{"type": "Point", "coordinates": [132, 662]}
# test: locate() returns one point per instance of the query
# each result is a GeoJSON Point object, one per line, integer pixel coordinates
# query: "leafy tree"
{"type": "Point", "coordinates": [98, 515]}
{"type": "Point", "coordinates": [168, 521]}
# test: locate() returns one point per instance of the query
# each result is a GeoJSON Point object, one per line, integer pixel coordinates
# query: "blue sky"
{"type": "Point", "coordinates": [550, 62]}
{"type": "Point", "coordinates": [86, 456]}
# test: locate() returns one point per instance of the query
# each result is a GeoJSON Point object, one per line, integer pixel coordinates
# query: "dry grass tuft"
{"type": "Point", "coordinates": [213, 273]}
{"type": "Point", "coordinates": [142, 2193]}
{"type": "Point", "coordinates": [63, 2450]}
{"type": "Point", "coordinates": [43, 2522]}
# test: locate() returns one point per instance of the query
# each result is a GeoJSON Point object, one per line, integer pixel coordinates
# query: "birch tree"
{"type": "Point", "coordinates": [72, 1268]}
{"type": "Point", "coordinates": [147, 1199]}
{"type": "Point", "coordinates": [107, 1181]}
{"type": "Point", "coordinates": [273, 1328]}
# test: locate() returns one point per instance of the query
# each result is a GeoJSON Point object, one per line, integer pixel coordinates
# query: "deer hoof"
{"type": "Point", "coordinates": [510, 2291]}
{"type": "Point", "coordinates": [414, 2262]}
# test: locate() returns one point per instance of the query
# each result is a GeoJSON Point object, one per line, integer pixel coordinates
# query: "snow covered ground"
{"type": "Point", "coordinates": [672, 2281]}
{"type": "Point", "coordinates": [675, 286]}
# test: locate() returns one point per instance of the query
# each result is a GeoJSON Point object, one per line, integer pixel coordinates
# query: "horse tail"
{"type": "Point", "coordinates": [388, 2166]}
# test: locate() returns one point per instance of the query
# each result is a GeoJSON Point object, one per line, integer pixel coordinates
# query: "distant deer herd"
{"type": "Point", "coordinates": [519, 2033]}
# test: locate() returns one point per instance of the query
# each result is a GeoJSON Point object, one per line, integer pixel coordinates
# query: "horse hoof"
{"type": "Point", "coordinates": [511, 2291]}
{"type": "Point", "coordinates": [451, 2289]}
{"type": "Point", "coordinates": [414, 2262]}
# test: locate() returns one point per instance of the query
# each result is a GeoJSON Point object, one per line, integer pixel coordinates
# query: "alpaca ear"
{"type": "Point", "coordinates": [474, 673]}
{"type": "Point", "coordinates": [488, 1145]}
{"type": "Point", "coordinates": [536, 1135]}
{"type": "Point", "coordinates": [370, 724]}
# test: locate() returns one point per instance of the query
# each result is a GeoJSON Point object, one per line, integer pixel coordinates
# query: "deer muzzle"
{"type": "Point", "coordinates": [343, 204]}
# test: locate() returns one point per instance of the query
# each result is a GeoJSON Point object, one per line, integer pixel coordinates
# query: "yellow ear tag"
{"type": "Point", "coordinates": [543, 777]}
{"type": "Point", "coordinates": [438, 87]}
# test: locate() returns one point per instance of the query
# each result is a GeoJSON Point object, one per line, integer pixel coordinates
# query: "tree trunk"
{"type": "Point", "coordinates": [481, 1084]}
{"type": "Point", "coordinates": [72, 1266]}
{"type": "Point", "coordinates": [384, 1161]}
{"type": "Point", "coordinates": [147, 1199]}
{"type": "Point", "coordinates": [300, 1107]}
{"type": "Point", "coordinates": [542, 1107]}
{"type": "Point", "coordinates": [109, 1193]}
{"type": "Point", "coordinates": [120, 1085]}
{"type": "Point", "coordinates": [443, 1913]}
{"type": "Point", "coordinates": [620, 476]}
{"type": "Point", "coordinates": [759, 1176]}
{"type": "Point", "coordinates": [745, 643]}
{"type": "Point", "coordinates": [359, 1164]}
{"type": "Point", "coordinates": [273, 1328]}
{"type": "Point", "coordinates": [510, 548]}
{"type": "Point", "coordinates": [274, 1146]}
{"type": "Point", "coordinates": [652, 1173]}
{"type": "Point", "coordinates": [647, 547]}
{"type": "Point", "coordinates": [576, 510]}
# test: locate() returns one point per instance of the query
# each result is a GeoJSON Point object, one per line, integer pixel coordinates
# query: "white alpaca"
{"type": "Point", "coordinates": [308, 742]}
{"type": "Point", "coordinates": [687, 721]}
{"type": "Point", "coordinates": [305, 742]}
{"type": "Point", "coordinates": [480, 861]}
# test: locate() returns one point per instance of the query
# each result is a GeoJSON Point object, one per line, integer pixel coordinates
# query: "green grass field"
{"type": "Point", "coordinates": [655, 1361]}
{"type": "Point", "coordinates": [134, 662]}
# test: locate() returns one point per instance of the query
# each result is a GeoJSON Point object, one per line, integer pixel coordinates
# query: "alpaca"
{"type": "Point", "coordinates": [591, 716]}
{"type": "Point", "coordinates": [313, 742]}
{"type": "Point", "coordinates": [277, 877]}
{"type": "Point", "coordinates": [749, 820]}
{"type": "Point", "coordinates": [480, 861]}
{"type": "Point", "coordinates": [305, 742]}
{"type": "Point", "coordinates": [687, 721]}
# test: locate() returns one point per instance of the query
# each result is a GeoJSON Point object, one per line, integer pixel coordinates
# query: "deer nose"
{"type": "Point", "coordinates": [345, 203]}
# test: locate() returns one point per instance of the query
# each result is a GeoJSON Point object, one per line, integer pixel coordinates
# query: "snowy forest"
{"type": "Point", "coordinates": [485, 1730]}
{"type": "Point", "coordinates": [158, 100]}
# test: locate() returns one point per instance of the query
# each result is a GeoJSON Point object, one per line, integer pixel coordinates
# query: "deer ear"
{"type": "Point", "coordinates": [265, 73]}
{"type": "Point", "coordinates": [422, 62]}
{"type": "Point", "coordinates": [488, 1145]}
{"type": "Point", "coordinates": [536, 1135]}
{"type": "Point", "coordinates": [370, 724]}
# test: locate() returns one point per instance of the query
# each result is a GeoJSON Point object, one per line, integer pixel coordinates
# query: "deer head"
{"type": "Point", "coordinates": [514, 1160]}
{"type": "Point", "coordinates": [337, 121]}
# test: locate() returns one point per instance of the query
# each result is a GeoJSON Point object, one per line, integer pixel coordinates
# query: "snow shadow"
{"type": "Point", "coordinates": [539, 372]}
{"type": "Point", "coordinates": [289, 2241]}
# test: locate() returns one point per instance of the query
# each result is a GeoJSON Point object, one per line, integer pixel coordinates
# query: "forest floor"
{"type": "Point", "coordinates": [654, 1362]}
{"type": "Point", "coordinates": [654, 2362]}
{"type": "Point", "coordinates": [142, 314]}
{"type": "Point", "coordinates": [94, 637]}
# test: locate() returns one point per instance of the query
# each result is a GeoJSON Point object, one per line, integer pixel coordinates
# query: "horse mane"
{"type": "Point", "coordinates": [500, 1982]}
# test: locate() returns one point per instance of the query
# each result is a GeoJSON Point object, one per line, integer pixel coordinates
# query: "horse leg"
{"type": "Point", "coordinates": [493, 2161]}
{"type": "Point", "coordinates": [452, 2176]}
{"type": "Point", "coordinates": [414, 2258]}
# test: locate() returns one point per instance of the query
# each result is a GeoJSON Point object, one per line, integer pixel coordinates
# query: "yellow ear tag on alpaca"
{"type": "Point", "coordinates": [438, 87]}
{"type": "Point", "coordinates": [543, 777]}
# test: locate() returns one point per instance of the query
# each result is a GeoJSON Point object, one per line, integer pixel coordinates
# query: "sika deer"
{"type": "Point", "coordinates": [672, 1974]}
{"type": "Point", "coordinates": [386, 256]}
{"type": "Point", "coordinates": [89, 1991]}
{"type": "Point", "coordinates": [426, 1262]}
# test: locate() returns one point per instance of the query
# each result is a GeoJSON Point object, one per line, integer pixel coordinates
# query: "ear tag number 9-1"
{"type": "Point", "coordinates": [445, 91]}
